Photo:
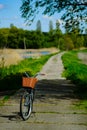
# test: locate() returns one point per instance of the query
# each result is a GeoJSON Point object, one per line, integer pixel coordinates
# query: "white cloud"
{"type": "Point", "coordinates": [1, 6]}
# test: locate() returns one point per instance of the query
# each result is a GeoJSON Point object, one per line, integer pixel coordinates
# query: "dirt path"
{"type": "Point", "coordinates": [53, 106]}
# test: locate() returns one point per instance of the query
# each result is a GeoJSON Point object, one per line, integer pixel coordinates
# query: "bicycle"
{"type": "Point", "coordinates": [27, 98]}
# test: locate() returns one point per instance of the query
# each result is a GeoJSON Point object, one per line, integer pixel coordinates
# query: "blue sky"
{"type": "Point", "coordinates": [10, 14]}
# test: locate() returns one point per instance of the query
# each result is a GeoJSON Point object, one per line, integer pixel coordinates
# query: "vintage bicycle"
{"type": "Point", "coordinates": [27, 98]}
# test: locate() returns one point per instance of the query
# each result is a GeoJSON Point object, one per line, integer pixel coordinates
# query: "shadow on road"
{"type": "Point", "coordinates": [58, 88]}
{"type": "Point", "coordinates": [46, 91]}
{"type": "Point", "coordinates": [54, 88]}
{"type": "Point", "coordinates": [15, 116]}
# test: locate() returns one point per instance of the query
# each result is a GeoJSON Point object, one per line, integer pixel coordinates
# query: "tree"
{"type": "Point", "coordinates": [75, 36]}
{"type": "Point", "coordinates": [68, 43]}
{"type": "Point", "coordinates": [50, 26]}
{"type": "Point", "coordinates": [57, 34]}
{"type": "Point", "coordinates": [13, 37]}
{"type": "Point", "coordinates": [58, 30]}
{"type": "Point", "coordinates": [57, 25]}
{"type": "Point", "coordinates": [85, 40]}
{"type": "Point", "coordinates": [4, 37]}
{"type": "Point", "coordinates": [75, 11]}
{"type": "Point", "coordinates": [86, 31]}
{"type": "Point", "coordinates": [38, 26]}
{"type": "Point", "coordinates": [80, 41]}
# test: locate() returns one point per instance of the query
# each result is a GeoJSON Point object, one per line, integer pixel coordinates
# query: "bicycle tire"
{"type": "Point", "coordinates": [26, 105]}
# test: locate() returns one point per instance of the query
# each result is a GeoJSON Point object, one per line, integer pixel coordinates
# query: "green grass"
{"type": "Point", "coordinates": [85, 50]}
{"type": "Point", "coordinates": [5, 98]}
{"type": "Point", "coordinates": [77, 73]}
{"type": "Point", "coordinates": [82, 104]}
{"type": "Point", "coordinates": [74, 69]}
{"type": "Point", "coordinates": [11, 77]}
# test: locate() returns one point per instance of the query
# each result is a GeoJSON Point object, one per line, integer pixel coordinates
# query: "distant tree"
{"type": "Point", "coordinates": [50, 34]}
{"type": "Point", "coordinates": [38, 26]}
{"type": "Point", "coordinates": [58, 30]}
{"type": "Point", "coordinates": [57, 34]}
{"type": "Point", "coordinates": [80, 41]}
{"type": "Point", "coordinates": [68, 43]}
{"type": "Point", "coordinates": [12, 25]}
{"type": "Point", "coordinates": [50, 26]}
{"type": "Point", "coordinates": [13, 37]}
{"type": "Point", "coordinates": [4, 37]}
{"type": "Point", "coordinates": [77, 38]}
{"type": "Point", "coordinates": [2, 42]}
{"type": "Point", "coordinates": [57, 25]}
{"type": "Point", "coordinates": [62, 45]}
{"type": "Point", "coordinates": [21, 34]}
{"type": "Point", "coordinates": [85, 40]}
{"type": "Point", "coordinates": [86, 31]}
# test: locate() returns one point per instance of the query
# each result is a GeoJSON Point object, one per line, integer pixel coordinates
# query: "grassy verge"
{"type": "Point", "coordinates": [5, 98]}
{"type": "Point", "coordinates": [82, 104]}
{"type": "Point", "coordinates": [77, 73]}
{"type": "Point", "coordinates": [10, 78]}
{"type": "Point", "coordinates": [74, 69]}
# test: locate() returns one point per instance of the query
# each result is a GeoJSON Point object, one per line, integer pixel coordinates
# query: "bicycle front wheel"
{"type": "Point", "coordinates": [26, 105]}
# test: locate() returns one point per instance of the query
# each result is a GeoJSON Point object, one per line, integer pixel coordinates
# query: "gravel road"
{"type": "Point", "coordinates": [53, 106]}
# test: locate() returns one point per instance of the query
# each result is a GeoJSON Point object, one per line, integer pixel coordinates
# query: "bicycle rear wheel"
{"type": "Point", "coordinates": [26, 104]}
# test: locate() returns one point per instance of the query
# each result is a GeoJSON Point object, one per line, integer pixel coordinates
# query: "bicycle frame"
{"type": "Point", "coordinates": [26, 102]}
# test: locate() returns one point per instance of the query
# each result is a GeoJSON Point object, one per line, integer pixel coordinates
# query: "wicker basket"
{"type": "Point", "coordinates": [29, 82]}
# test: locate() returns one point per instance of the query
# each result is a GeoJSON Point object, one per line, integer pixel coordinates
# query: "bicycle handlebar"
{"type": "Point", "coordinates": [27, 75]}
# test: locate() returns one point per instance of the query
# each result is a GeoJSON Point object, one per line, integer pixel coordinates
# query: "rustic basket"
{"type": "Point", "coordinates": [29, 82]}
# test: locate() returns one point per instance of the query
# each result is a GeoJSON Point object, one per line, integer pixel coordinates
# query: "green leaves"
{"type": "Point", "coordinates": [74, 11]}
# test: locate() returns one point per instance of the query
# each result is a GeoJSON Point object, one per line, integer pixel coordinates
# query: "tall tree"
{"type": "Point", "coordinates": [57, 34]}
{"type": "Point", "coordinates": [57, 25]}
{"type": "Point", "coordinates": [38, 26]}
{"type": "Point", "coordinates": [58, 30]}
{"type": "Point", "coordinates": [75, 11]}
{"type": "Point", "coordinates": [50, 26]}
